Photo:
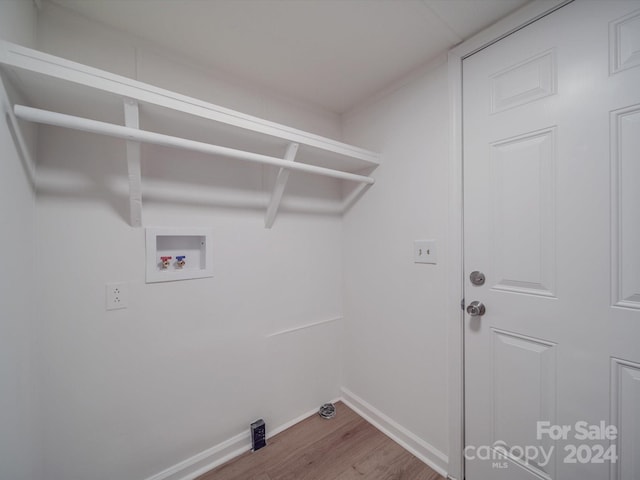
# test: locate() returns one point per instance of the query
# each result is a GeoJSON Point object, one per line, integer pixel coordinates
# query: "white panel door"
{"type": "Point", "coordinates": [552, 219]}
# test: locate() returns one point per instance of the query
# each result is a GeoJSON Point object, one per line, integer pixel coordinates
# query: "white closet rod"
{"type": "Point", "coordinates": [87, 125]}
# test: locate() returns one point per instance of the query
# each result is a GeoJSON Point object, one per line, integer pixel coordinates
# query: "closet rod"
{"type": "Point", "coordinates": [93, 126]}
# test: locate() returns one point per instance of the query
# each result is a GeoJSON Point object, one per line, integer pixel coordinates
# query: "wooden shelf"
{"type": "Point", "coordinates": [58, 85]}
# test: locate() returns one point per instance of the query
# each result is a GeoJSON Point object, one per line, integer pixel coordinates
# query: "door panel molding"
{"type": "Point", "coordinates": [523, 172]}
{"type": "Point", "coordinates": [625, 392]}
{"type": "Point", "coordinates": [625, 178]}
{"type": "Point", "coordinates": [624, 43]}
{"type": "Point", "coordinates": [540, 75]}
{"type": "Point", "coordinates": [529, 364]}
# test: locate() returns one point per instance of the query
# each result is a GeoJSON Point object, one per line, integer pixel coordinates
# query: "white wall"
{"type": "Point", "coordinates": [69, 35]}
{"type": "Point", "coordinates": [130, 392]}
{"type": "Point", "coordinates": [395, 312]}
{"type": "Point", "coordinates": [20, 453]}
{"type": "Point", "coordinates": [189, 364]}
{"type": "Point", "coordinates": [18, 21]}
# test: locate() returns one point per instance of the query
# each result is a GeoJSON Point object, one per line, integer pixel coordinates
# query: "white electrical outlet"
{"type": "Point", "coordinates": [117, 296]}
{"type": "Point", "coordinates": [424, 251]}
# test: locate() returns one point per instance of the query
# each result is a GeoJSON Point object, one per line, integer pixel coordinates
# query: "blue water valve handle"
{"type": "Point", "coordinates": [180, 261]}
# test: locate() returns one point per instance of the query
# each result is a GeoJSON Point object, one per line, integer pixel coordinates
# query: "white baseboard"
{"type": "Point", "coordinates": [408, 440]}
{"type": "Point", "coordinates": [204, 461]}
{"type": "Point", "coordinates": [223, 452]}
{"type": "Point", "coordinates": [218, 454]}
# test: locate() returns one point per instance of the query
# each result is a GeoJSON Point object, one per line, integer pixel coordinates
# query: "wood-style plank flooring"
{"type": "Point", "coordinates": [343, 448]}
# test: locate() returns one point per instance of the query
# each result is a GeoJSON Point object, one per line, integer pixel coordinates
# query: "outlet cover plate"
{"type": "Point", "coordinates": [424, 251]}
{"type": "Point", "coordinates": [117, 295]}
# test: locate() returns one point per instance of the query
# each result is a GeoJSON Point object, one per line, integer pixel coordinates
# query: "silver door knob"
{"type": "Point", "coordinates": [476, 309]}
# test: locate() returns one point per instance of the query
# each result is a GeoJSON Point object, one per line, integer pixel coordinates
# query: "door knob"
{"type": "Point", "coordinates": [476, 309]}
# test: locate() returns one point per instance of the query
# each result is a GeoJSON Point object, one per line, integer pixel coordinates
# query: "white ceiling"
{"type": "Point", "coordinates": [331, 53]}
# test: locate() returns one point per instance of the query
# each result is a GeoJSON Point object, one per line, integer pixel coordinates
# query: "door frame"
{"type": "Point", "coordinates": [455, 330]}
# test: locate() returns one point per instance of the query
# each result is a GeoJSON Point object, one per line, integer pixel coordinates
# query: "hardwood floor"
{"type": "Point", "coordinates": [343, 448]}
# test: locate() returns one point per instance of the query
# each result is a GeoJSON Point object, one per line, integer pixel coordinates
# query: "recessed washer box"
{"type": "Point", "coordinates": [193, 244]}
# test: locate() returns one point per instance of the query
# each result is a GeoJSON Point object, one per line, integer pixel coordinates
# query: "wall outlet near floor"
{"type": "Point", "coordinates": [117, 295]}
{"type": "Point", "coordinates": [424, 251]}
{"type": "Point", "coordinates": [258, 435]}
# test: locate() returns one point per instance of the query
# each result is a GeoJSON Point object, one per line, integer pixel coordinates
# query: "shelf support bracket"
{"type": "Point", "coordinates": [278, 188]}
{"type": "Point", "coordinates": [132, 120]}
{"type": "Point", "coordinates": [25, 154]}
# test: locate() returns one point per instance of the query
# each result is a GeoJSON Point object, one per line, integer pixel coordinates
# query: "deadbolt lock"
{"type": "Point", "coordinates": [477, 278]}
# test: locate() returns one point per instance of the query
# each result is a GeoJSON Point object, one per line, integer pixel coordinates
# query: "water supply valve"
{"type": "Point", "coordinates": [165, 262]}
{"type": "Point", "coordinates": [180, 261]}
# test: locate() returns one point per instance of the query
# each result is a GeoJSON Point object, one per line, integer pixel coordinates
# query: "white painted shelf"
{"type": "Point", "coordinates": [65, 93]}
